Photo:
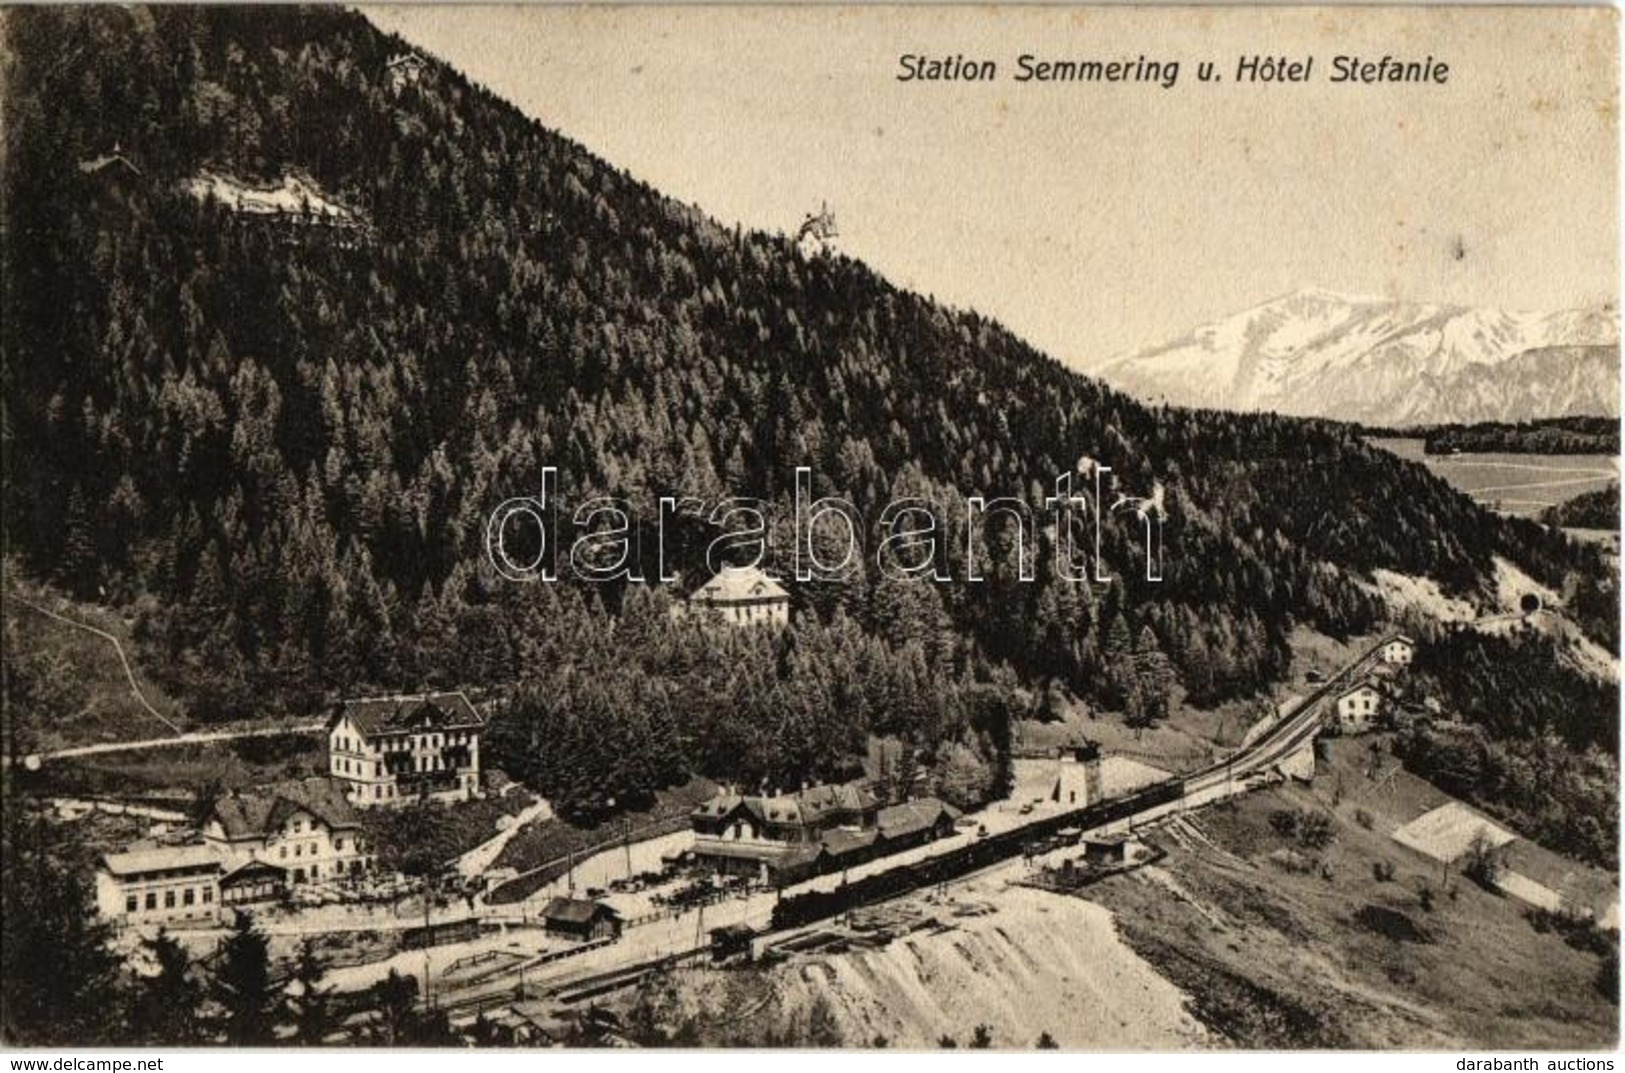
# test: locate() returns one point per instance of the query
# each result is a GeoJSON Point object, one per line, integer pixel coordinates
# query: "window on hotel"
{"type": "Point", "coordinates": [130, 903]}
{"type": "Point", "coordinates": [208, 895]}
{"type": "Point", "coordinates": [189, 897]}
{"type": "Point", "coordinates": [152, 900]}
{"type": "Point", "coordinates": [169, 899]}
{"type": "Point", "coordinates": [282, 852]}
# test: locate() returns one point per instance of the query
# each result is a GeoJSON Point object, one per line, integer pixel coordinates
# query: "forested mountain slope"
{"type": "Point", "coordinates": [277, 436]}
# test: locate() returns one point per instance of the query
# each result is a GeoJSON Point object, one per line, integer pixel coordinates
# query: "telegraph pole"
{"type": "Point", "coordinates": [427, 998]}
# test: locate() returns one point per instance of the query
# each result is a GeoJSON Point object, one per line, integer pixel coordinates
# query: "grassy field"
{"type": "Point", "coordinates": [91, 696]}
{"type": "Point", "coordinates": [1512, 483]}
{"type": "Point", "coordinates": [437, 831]}
{"type": "Point", "coordinates": [1362, 944]}
{"type": "Point", "coordinates": [543, 841]}
{"type": "Point", "coordinates": [1191, 736]}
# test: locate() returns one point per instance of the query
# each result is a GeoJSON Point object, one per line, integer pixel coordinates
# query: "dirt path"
{"type": "Point", "coordinates": [193, 737]}
{"type": "Point", "coordinates": [477, 860]}
{"type": "Point", "coordinates": [118, 648]}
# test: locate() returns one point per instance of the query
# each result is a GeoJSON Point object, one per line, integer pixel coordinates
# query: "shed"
{"type": "Point", "coordinates": [580, 919]}
{"type": "Point", "coordinates": [1105, 850]}
{"type": "Point", "coordinates": [731, 940]}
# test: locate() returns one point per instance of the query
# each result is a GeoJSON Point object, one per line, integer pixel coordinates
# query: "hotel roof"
{"type": "Point", "coordinates": [163, 859]}
{"type": "Point", "coordinates": [257, 813]}
{"type": "Point", "coordinates": [803, 807]}
{"type": "Point", "coordinates": [738, 585]}
{"type": "Point", "coordinates": [406, 714]}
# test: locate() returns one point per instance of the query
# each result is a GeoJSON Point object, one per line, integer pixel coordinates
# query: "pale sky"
{"type": "Point", "coordinates": [1096, 219]}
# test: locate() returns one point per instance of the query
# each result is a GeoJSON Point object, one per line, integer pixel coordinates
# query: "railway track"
{"type": "Point", "coordinates": [1194, 790]}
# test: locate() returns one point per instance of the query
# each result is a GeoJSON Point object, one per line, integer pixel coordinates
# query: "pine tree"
{"type": "Point", "coordinates": [908, 770]}
{"type": "Point", "coordinates": [395, 999]}
{"type": "Point", "coordinates": [165, 1008]}
{"type": "Point", "coordinates": [313, 1020]}
{"type": "Point", "coordinates": [79, 567]}
{"type": "Point", "coordinates": [1154, 680]}
{"type": "Point", "coordinates": [242, 985]}
{"type": "Point", "coordinates": [1118, 660]}
{"type": "Point", "coordinates": [59, 981]}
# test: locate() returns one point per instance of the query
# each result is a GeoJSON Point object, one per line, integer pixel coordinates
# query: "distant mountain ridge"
{"type": "Point", "coordinates": [1316, 353]}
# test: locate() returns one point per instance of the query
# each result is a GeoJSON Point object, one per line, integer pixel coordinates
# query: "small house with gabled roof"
{"type": "Point", "coordinates": [744, 596]}
{"type": "Point", "coordinates": [913, 823]}
{"type": "Point", "coordinates": [1358, 707]}
{"type": "Point", "coordinates": [1398, 651]}
{"type": "Point", "coordinates": [580, 920]}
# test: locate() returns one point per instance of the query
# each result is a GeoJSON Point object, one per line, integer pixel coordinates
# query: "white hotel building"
{"type": "Point", "coordinates": [396, 750]}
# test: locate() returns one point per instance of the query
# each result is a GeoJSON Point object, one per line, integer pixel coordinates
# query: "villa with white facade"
{"type": "Point", "coordinates": [390, 751]}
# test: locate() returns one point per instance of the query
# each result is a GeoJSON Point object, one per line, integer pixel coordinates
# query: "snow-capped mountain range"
{"type": "Point", "coordinates": [1315, 353]}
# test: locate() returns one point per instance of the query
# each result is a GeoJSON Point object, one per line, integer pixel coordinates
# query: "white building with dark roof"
{"type": "Point", "coordinates": [255, 844]}
{"type": "Point", "coordinates": [1398, 651]}
{"type": "Point", "coordinates": [1358, 707]}
{"type": "Point", "coordinates": [786, 837]}
{"type": "Point", "coordinates": [169, 885]}
{"type": "Point", "coordinates": [307, 830]}
{"type": "Point", "coordinates": [396, 750]}
{"type": "Point", "coordinates": [743, 596]}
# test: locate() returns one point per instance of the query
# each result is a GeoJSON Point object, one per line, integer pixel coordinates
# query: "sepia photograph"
{"type": "Point", "coordinates": [1024, 528]}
